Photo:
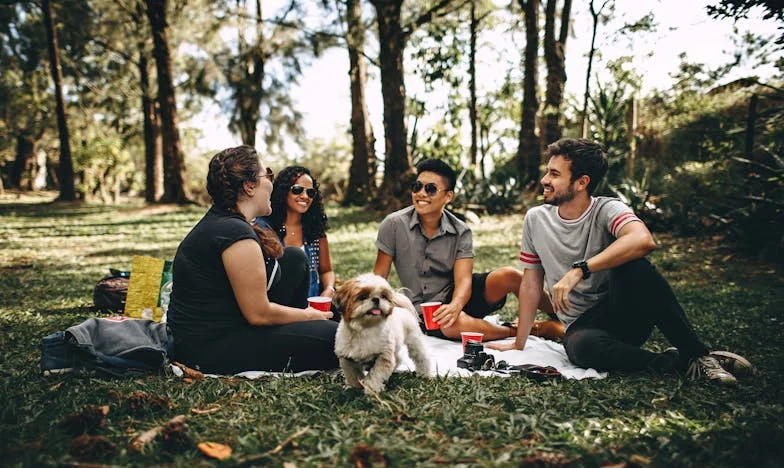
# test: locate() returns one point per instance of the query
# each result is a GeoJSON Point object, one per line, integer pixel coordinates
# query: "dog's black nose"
{"type": "Point", "coordinates": [375, 301]}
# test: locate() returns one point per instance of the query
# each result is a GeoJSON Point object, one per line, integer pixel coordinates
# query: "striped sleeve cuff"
{"type": "Point", "coordinates": [621, 220]}
{"type": "Point", "coordinates": [529, 259]}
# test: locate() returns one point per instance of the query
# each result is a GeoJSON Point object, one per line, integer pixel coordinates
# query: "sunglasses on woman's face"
{"type": "Point", "coordinates": [298, 189]}
{"type": "Point", "coordinates": [430, 188]}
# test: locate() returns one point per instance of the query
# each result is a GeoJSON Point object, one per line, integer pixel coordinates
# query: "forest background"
{"type": "Point", "coordinates": [92, 94]}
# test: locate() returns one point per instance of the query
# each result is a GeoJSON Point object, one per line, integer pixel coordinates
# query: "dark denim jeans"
{"type": "Point", "coordinates": [608, 336]}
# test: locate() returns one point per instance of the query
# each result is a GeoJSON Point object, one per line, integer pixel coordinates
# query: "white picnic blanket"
{"type": "Point", "coordinates": [444, 355]}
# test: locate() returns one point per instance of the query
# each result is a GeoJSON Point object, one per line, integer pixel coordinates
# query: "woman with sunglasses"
{"type": "Point", "coordinates": [239, 299]}
{"type": "Point", "coordinates": [299, 219]}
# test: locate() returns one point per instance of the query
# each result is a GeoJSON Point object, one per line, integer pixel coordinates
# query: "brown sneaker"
{"type": "Point", "coordinates": [733, 363]}
{"type": "Point", "coordinates": [548, 329]}
{"type": "Point", "coordinates": [708, 368]}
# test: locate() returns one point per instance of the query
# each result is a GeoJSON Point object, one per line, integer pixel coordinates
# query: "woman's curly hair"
{"type": "Point", "coordinates": [314, 221]}
{"type": "Point", "coordinates": [228, 170]}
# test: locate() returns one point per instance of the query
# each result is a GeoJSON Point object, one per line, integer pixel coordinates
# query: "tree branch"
{"type": "Point", "coordinates": [432, 12]}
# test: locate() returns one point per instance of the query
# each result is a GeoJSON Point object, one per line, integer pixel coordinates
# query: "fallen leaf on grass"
{"type": "Point", "coordinates": [139, 442]}
{"type": "Point", "coordinates": [56, 386]}
{"type": "Point", "coordinates": [175, 435]}
{"type": "Point", "coordinates": [89, 418]}
{"type": "Point", "coordinates": [139, 401]}
{"type": "Point", "coordinates": [211, 408]}
{"type": "Point", "coordinates": [189, 373]}
{"type": "Point", "coordinates": [364, 456]}
{"type": "Point", "coordinates": [215, 450]}
{"type": "Point", "coordinates": [661, 402]}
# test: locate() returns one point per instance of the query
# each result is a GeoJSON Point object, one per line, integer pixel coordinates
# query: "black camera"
{"type": "Point", "coordinates": [475, 357]}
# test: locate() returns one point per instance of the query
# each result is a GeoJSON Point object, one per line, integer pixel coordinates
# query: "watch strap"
{"type": "Point", "coordinates": [583, 265]}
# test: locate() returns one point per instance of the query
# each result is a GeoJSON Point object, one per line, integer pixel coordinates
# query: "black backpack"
{"type": "Point", "coordinates": [110, 292]}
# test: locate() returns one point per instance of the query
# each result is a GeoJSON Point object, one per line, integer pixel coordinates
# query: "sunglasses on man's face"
{"type": "Point", "coordinates": [430, 188]}
{"type": "Point", "coordinates": [298, 189]}
{"type": "Point", "coordinates": [269, 175]}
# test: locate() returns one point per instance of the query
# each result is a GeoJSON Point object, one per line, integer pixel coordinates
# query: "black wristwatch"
{"type": "Point", "coordinates": [583, 265]}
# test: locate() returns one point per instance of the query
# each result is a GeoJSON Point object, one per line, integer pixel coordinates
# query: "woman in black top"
{"type": "Point", "coordinates": [239, 300]}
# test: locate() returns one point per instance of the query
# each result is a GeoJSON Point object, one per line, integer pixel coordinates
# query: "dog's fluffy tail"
{"type": "Point", "coordinates": [401, 300]}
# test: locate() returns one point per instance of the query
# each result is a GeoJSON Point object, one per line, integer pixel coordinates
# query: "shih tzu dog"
{"type": "Point", "coordinates": [376, 322]}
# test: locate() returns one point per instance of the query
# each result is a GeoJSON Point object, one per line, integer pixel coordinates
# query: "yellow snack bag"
{"type": "Point", "coordinates": [147, 276]}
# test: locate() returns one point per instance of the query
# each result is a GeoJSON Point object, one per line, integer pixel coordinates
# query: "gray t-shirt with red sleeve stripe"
{"type": "Point", "coordinates": [553, 244]}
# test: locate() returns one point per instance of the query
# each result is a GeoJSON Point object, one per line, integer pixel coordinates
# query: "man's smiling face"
{"type": "Point", "coordinates": [557, 181]}
{"type": "Point", "coordinates": [425, 203]}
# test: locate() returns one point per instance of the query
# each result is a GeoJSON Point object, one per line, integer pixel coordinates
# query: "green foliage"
{"type": "Point", "coordinates": [25, 104]}
{"type": "Point", "coordinates": [607, 110]}
{"type": "Point", "coordinates": [636, 193]}
{"type": "Point", "coordinates": [46, 285]}
{"type": "Point", "coordinates": [694, 191]}
{"type": "Point", "coordinates": [713, 189]}
{"type": "Point", "coordinates": [106, 168]}
{"type": "Point", "coordinates": [328, 160]}
{"type": "Point", "coordinates": [501, 193]}
{"type": "Point", "coordinates": [737, 9]}
{"type": "Point", "coordinates": [755, 218]}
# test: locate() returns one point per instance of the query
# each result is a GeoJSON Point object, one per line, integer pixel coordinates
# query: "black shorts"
{"type": "Point", "coordinates": [476, 306]}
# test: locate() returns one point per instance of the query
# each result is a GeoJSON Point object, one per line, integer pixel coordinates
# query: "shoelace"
{"type": "Point", "coordinates": [707, 366]}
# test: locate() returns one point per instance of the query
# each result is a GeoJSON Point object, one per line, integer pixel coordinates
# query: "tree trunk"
{"type": "Point", "coordinates": [398, 172]}
{"type": "Point", "coordinates": [175, 190]}
{"type": "Point", "coordinates": [584, 115]}
{"type": "Point", "coordinates": [153, 157]}
{"type": "Point", "coordinates": [528, 152]}
{"type": "Point", "coordinates": [554, 55]}
{"type": "Point", "coordinates": [361, 181]}
{"type": "Point", "coordinates": [25, 147]}
{"type": "Point", "coordinates": [479, 170]}
{"type": "Point", "coordinates": [67, 187]}
{"type": "Point", "coordinates": [249, 90]}
{"type": "Point", "coordinates": [38, 171]}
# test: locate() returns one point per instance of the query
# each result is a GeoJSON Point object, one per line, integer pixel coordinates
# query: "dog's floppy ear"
{"type": "Point", "coordinates": [341, 296]}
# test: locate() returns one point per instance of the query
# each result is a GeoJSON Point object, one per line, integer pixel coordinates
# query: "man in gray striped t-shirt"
{"type": "Point", "coordinates": [608, 296]}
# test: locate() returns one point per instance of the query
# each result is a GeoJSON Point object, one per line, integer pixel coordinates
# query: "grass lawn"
{"type": "Point", "coordinates": [51, 255]}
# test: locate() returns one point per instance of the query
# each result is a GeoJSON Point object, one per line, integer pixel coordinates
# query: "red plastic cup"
{"type": "Point", "coordinates": [473, 336]}
{"type": "Point", "coordinates": [428, 309]}
{"type": "Point", "coordinates": [321, 303]}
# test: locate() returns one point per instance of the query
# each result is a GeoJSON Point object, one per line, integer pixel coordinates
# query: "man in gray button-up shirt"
{"type": "Point", "coordinates": [433, 253]}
